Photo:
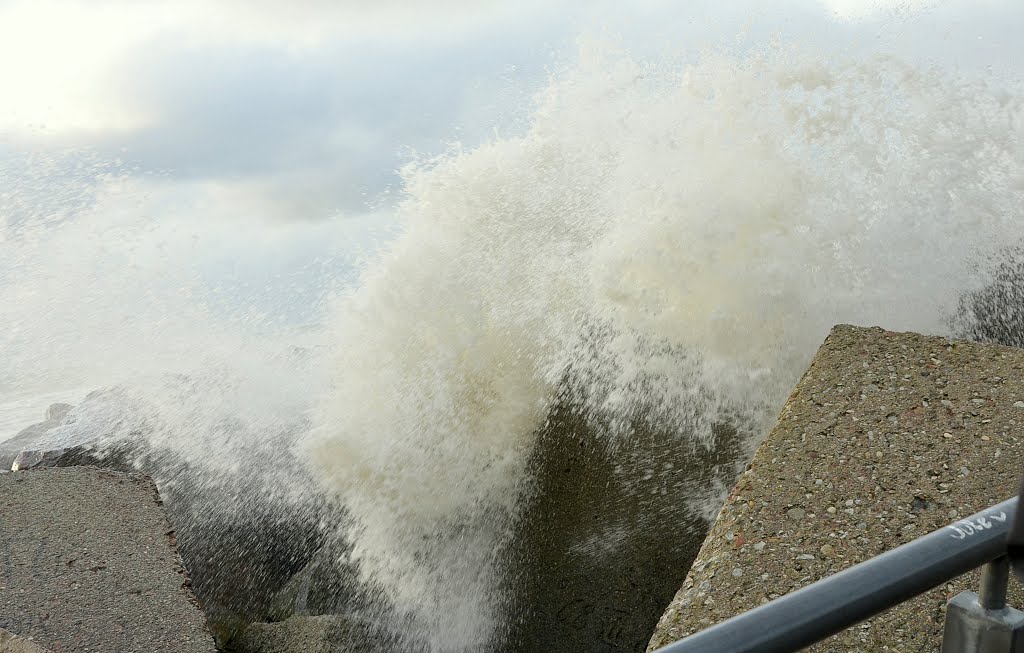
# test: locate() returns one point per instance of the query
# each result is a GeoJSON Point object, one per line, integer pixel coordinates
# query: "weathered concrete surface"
{"type": "Point", "coordinates": [87, 562]}
{"type": "Point", "coordinates": [11, 643]}
{"type": "Point", "coordinates": [888, 436]}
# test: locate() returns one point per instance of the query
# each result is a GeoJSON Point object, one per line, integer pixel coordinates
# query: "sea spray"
{"type": "Point", "coordinates": [665, 242]}
{"type": "Point", "coordinates": [107, 301]}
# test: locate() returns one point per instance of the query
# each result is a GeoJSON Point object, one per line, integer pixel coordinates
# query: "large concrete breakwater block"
{"type": "Point", "coordinates": [887, 437]}
{"type": "Point", "coordinates": [88, 563]}
{"type": "Point", "coordinates": [609, 534]}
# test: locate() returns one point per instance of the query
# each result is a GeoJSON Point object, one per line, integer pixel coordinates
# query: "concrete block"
{"type": "Point", "coordinates": [88, 563]}
{"type": "Point", "coordinates": [887, 437]}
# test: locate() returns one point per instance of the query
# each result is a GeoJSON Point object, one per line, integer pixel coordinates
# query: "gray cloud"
{"type": "Point", "coordinates": [312, 130]}
{"type": "Point", "coordinates": [329, 124]}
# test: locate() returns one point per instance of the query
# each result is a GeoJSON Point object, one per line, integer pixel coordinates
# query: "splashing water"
{"type": "Point", "coordinates": [666, 242]}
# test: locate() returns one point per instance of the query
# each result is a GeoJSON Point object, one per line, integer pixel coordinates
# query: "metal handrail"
{"type": "Point", "coordinates": [811, 614]}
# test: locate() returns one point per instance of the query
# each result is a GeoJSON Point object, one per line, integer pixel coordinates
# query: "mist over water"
{"type": "Point", "coordinates": [668, 241]}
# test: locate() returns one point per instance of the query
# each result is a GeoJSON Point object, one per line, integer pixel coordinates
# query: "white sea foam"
{"type": "Point", "coordinates": [667, 241]}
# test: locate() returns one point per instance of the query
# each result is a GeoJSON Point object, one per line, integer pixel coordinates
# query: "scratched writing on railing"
{"type": "Point", "coordinates": [967, 527]}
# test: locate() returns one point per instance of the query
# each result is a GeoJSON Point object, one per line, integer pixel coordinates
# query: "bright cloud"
{"type": "Point", "coordinates": [57, 58]}
{"type": "Point", "coordinates": [53, 61]}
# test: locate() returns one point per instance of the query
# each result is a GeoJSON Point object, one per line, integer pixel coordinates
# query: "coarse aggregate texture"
{"type": "Point", "coordinates": [11, 643]}
{"type": "Point", "coordinates": [88, 563]}
{"type": "Point", "coordinates": [887, 437]}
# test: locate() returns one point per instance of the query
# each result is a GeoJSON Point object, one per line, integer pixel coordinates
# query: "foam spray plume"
{"type": "Point", "coordinates": [704, 226]}
{"type": "Point", "coordinates": [666, 243]}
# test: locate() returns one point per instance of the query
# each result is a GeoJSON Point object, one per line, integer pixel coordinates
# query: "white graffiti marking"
{"type": "Point", "coordinates": [967, 527]}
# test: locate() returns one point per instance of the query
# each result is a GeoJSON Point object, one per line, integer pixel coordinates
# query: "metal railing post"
{"type": "Point", "coordinates": [995, 577]}
{"type": "Point", "coordinates": [981, 622]}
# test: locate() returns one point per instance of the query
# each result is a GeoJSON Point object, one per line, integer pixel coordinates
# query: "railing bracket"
{"type": "Point", "coordinates": [981, 622]}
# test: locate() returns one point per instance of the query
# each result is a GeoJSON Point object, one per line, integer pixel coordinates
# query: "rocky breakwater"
{"type": "Point", "coordinates": [887, 437]}
{"type": "Point", "coordinates": [251, 554]}
{"type": "Point", "coordinates": [610, 529]}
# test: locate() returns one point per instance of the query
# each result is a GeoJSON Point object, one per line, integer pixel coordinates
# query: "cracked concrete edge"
{"type": "Point", "coordinates": [172, 542]}
{"type": "Point", "coordinates": [145, 480]}
{"type": "Point", "coordinates": [11, 643]}
{"type": "Point", "coordinates": [887, 436]}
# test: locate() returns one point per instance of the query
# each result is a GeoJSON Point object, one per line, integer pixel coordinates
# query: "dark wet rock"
{"type": "Point", "coordinates": [327, 584]}
{"type": "Point", "coordinates": [609, 535]}
{"type": "Point", "coordinates": [25, 439]}
{"type": "Point", "coordinates": [29, 459]}
{"type": "Point", "coordinates": [240, 564]}
{"type": "Point", "coordinates": [995, 313]}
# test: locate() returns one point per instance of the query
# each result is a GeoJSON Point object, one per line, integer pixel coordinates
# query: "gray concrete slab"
{"type": "Point", "coordinates": [88, 563]}
{"type": "Point", "coordinates": [887, 437]}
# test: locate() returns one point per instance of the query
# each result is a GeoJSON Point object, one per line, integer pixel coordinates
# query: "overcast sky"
{"type": "Point", "coordinates": [299, 111]}
{"type": "Point", "coordinates": [307, 108]}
